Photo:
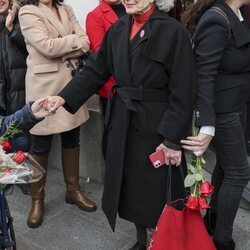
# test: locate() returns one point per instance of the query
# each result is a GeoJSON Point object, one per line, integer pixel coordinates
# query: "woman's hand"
{"type": "Point", "coordinates": [172, 157]}
{"type": "Point", "coordinates": [198, 144]}
{"type": "Point", "coordinates": [11, 17]}
{"type": "Point", "coordinates": [73, 55]}
{"type": "Point", "coordinates": [54, 102]}
{"type": "Point", "coordinates": [39, 109]}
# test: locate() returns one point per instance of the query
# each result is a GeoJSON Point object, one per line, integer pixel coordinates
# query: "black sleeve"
{"type": "Point", "coordinates": [210, 40]}
{"type": "Point", "coordinates": [90, 80]}
{"type": "Point", "coordinates": [176, 121]}
{"type": "Point", "coordinates": [17, 37]}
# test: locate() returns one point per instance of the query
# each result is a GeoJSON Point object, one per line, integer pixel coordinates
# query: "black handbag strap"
{"type": "Point", "coordinates": [169, 183]}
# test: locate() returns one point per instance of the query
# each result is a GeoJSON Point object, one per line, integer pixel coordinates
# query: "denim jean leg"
{"type": "Point", "coordinates": [231, 153]}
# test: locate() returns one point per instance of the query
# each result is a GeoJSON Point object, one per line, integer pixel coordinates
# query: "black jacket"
{"type": "Point", "coordinates": [154, 99]}
{"type": "Point", "coordinates": [222, 54]}
{"type": "Point", "coordinates": [13, 55]}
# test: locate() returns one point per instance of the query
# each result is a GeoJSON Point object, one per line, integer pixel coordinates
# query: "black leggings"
{"type": "Point", "coordinates": [40, 145]}
{"type": "Point", "coordinates": [231, 173]}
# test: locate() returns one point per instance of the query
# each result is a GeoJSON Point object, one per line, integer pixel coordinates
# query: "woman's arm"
{"type": "Point", "coordinates": [85, 83]}
{"type": "Point", "coordinates": [95, 30]}
{"type": "Point", "coordinates": [210, 40]}
{"type": "Point", "coordinates": [77, 28]}
{"type": "Point", "coordinates": [36, 34]}
{"type": "Point", "coordinates": [27, 117]}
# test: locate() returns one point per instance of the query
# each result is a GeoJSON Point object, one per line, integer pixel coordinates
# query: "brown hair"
{"type": "Point", "coordinates": [193, 12]}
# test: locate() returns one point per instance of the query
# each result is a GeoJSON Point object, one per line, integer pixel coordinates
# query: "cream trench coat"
{"type": "Point", "coordinates": [48, 40]}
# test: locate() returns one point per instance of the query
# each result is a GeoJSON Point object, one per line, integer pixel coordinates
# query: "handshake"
{"type": "Point", "coordinates": [46, 106]}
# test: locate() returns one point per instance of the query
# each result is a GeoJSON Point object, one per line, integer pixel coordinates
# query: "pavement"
{"type": "Point", "coordinates": [65, 227]}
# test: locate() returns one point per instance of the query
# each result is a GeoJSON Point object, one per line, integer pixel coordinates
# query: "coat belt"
{"type": "Point", "coordinates": [130, 95]}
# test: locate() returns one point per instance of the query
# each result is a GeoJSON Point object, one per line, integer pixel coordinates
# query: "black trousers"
{"type": "Point", "coordinates": [40, 145]}
{"type": "Point", "coordinates": [231, 173]}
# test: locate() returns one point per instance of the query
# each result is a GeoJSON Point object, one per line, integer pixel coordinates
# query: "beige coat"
{"type": "Point", "coordinates": [48, 41]}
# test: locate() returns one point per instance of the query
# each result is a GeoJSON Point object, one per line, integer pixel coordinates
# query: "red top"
{"type": "Point", "coordinates": [139, 21]}
{"type": "Point", "coordinates": [97, 23]}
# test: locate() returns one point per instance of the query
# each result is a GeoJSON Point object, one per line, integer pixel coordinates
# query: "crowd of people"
{"type": "Point", "coordinates": [152, 73]}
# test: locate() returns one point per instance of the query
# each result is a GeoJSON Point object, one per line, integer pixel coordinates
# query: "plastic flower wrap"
{"type": "Point", "coordinates": [17, 167]}
{"type": "Point", "coordinates": [200, 188]}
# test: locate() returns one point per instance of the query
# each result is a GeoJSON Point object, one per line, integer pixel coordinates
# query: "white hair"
{"type": "Point", "coordinates": [164, 5]}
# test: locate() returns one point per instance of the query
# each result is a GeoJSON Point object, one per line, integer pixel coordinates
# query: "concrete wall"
{"type": "Point", "coordinates": [81, 8]}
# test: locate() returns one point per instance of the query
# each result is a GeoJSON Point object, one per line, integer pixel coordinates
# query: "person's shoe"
{"type": "Point", "coordinates": [25, 188]}
{"type": "Point", "coordinates": [70, 161]}
{"type": "Point", "coordinates": [37, 194]}
{"type": "Point", "coordinates": [79, 199]}
{"type": "Point", "coordinates": [225, 245]}
{"type": "Point", "coordinates": [210, 221]}
{"type": "Point", "coordinates": [138, 246]}
{"type": "Point", "coordinates": [35, 217]}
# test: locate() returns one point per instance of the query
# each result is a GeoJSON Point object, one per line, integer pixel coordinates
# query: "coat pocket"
{"type": "Point", "coordinates": [45, 68]}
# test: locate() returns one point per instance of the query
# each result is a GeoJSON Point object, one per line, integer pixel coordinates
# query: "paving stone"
{"type": "Point", "coordinates": [66, 227]}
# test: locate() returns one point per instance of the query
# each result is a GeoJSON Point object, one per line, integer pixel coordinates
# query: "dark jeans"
{"type": "Point", "coordinates": [231, 173]}
{"type": "Point", "coordinates": [40, 145]}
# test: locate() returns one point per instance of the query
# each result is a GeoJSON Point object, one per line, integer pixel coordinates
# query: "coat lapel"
{"type": "Point", "coordinates": [50, 16]}
{"type": "Point", "coordinates": [141, 36]}
{"type": "Point", "coordinates": [108, 13]}
{"type": "Point", "coordinates": [240, 32]}
{"type": "Point", "coordinates": [120, 39]}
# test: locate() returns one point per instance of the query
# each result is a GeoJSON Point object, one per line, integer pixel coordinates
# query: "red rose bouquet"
{"type": "Point", "coordinates": [16, 167]}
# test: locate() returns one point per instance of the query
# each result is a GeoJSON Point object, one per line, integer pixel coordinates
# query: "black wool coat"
{"type": "Point", "coordinates": [153, 99]}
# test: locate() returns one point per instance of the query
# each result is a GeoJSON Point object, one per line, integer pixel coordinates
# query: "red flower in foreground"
{"type": "Point", "coordinates": [193, 202]}
{"type": "Point", "coordinates": [206, 189]}
{"type": "Point", "coordinates": [6, 146]}
{"type": "Point", "coordinates": [7, 170]}
{"type": "Point", "coordinates": [19, 157]}
{"type": "Point", "coordinates": [203, 203]}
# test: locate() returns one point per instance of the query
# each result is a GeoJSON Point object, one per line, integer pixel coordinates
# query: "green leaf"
{"type": "Point", "coordinates": [203, 161]}
{"type": "Point", "coordinates": [198, 177]}
{"type": "Point", "coordinates": [189, 180]}
{"type": "Point", "coordinates": [192, 169]}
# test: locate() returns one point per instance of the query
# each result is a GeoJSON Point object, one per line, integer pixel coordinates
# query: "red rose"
{"type": "Point", "coordinates": [193, 203]}
{"type": "Point", "coordinates": [6, 146]}
{"type": "Point", "coordinates": [206, 189]}
{"type": "Point", "coordinates": [7, 170]}
{"type": "Point", "coordinates": [203, 203]}
{"type": "Point", "coordinates": [19, 157]}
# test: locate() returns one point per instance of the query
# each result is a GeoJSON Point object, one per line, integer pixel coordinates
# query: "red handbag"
{"type": "Point", "coordinates": [180, 228]}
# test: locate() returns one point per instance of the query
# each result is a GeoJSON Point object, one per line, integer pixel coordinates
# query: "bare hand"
{"type": "Point", "coordinates": [11, 17]}
{"type": "Point", "coordinates": [198, 144]}
{"type": "Point", "coordinates": [172, 157]}
{"type": "Point", "coordinates": [54, 102]}
{"type": "Point", "coordinates": [39, 109]}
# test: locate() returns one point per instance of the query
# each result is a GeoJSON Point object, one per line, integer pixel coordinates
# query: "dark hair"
{"type": "Point", "coordinates": [193, 12]}
{"type": "Point", "coordinates": [36, 2]}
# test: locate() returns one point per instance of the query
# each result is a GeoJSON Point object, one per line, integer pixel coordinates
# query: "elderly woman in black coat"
{"type": "Point", "coordinates": [150, 56]}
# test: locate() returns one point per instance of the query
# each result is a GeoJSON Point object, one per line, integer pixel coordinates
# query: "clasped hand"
{"type": "Point", "coordinates": [172, 156]}
{"type": "Point", "coordinates": [46, 106]}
